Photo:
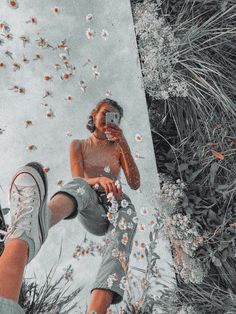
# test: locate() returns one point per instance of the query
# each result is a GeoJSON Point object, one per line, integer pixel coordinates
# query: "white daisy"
{"type": "Point", "coordinates": [130, 225]}
{"type": "Point", "coordinates": [129, 211]}
{"type": "Point", "coordinates": [89, 17]}
{"type": "Point", "coordinates": [108, 93]}
{"type": "Point", "coordinates": [96, 186]}
{"type": "Point", "coordinates": [96, 74]}
{"type": "Point", "coordinates": [94, 67]}
{"type": "Point", "coordinates": [80, 190]}
{"type": "Point", "coordinates": [122, 224]}
{"type": "Point", "coordinates": [83, 86]}
{"type": "Point", "coordinates": [144, 211]}
{"type": "Point", "coordinates": [138, 137]}
{"type": "Point", "coordinates": [109, 282]}
{"type": "Point", "coordinates": [124, 203]}
{"type": "Point", "coordinates": [115, 252]}
{"type": "Point", "coordinates": [105, 34]}
{"type": "Point", "coordinates": [123, 283]}
{"type": "Point", "coordinates": [107, 169]}
{"type": "Point", "coordinates": [135, 219]}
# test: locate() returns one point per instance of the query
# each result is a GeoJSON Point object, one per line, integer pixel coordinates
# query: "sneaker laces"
{"type": "Point", "coordinates": [24, 200]}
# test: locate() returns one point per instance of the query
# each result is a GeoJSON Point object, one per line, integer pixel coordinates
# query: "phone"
{"type": "Point", "coordinates": [112, 117]}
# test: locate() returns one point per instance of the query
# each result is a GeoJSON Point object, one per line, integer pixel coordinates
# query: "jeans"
{"type": "Point", "coordinates": [91, 208]}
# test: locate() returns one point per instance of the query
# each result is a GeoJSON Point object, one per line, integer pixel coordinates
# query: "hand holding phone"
{"type": "Point", "coordinates": [112, 118]}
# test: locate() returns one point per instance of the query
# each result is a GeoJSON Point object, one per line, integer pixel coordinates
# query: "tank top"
{"type": "Point", "coordinates": [100, 158]}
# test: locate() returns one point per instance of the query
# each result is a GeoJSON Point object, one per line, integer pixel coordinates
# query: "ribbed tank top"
{"type": "Point", "coordinates": [100, 158]}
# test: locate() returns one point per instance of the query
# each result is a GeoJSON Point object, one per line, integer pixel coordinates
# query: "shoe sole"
{"type": "Point", "coordinates": [42, 213]}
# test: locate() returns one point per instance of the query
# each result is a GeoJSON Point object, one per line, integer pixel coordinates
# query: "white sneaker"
{"type": "Point", "coordinates": [30, 216]}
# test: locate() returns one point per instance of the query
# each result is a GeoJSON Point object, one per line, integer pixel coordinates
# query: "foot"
{"type": "Point", "coordinates": [30, 217]}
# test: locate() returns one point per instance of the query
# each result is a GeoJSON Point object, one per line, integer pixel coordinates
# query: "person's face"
{"type": "Point", "coordinates": [100, 116]}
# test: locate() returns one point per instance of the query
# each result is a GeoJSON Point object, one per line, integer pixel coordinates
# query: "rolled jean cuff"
{"type": "Point", "coordinates": [9, 306]}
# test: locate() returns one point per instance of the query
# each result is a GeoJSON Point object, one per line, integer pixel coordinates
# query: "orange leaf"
{"type": "Point", "coordinates": [218, 155]}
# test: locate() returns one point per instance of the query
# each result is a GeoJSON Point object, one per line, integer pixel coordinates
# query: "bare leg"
{"type": "Point", "coordinates": [12, 264]}
{"type": "Point", "coordinates": [100, 301]}
{"type": "Point", "coordinates": [61, 207]}
{"type": "Point", "coordinates": [15, 254]}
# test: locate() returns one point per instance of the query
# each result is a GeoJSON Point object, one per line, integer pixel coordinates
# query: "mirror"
{"type": "Point", "coordinates": [58, 61]}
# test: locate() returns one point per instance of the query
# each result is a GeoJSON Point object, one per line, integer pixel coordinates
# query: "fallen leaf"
{"type": "Point", "coordinates": [218, 155]}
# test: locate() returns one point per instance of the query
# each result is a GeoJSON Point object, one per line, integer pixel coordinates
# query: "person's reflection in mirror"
{"type": "Point", "coordinates": [31, 216]}
{"type": "Point", "coordinates": [98, 160]}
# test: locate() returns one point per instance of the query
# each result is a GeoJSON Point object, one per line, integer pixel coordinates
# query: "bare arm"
{"type": "Point", "coordinates": [128, 165]}
{"type": "Point", "coordinates": [76, 163]}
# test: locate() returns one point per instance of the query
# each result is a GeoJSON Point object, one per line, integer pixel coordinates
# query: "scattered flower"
{"type": "Point", "coordinates": [9, 54]}
{"type": "Point", "coordinates": [83, 86]}
{"type": "Point", "coordinates": [60, 182]}
{"type": "Point", "coordinates": [13, 4]}
{"type": "Point", "coordinates": [108, 93]}
{"type": "Point", "coordinates": [90, 33]}
{"type": "Point", "coordinates": [96, 74]}
{"type": "Point", "coordinates": [25, 40]}
{"type": "Point", "coordinates": [16, 66]}
{"type": "Point", "coordinates": [138, 156]}
{"type": "Point", "coordinates": [47, 77]}
{"type": "Point", "coordinates": [37, 57]}
{"type": "Point", "coordinates": [141, 227]}
{"type": "Point", "coordinates": [135, 219]}
{"type": "Point", "coordinates": [142, 245]}
{"type": "Point", "coordinates": [28, 123]}
{"type": "Point", "coordinates": [138, 137]}
{"type": "Point", "coordinates": [144, 211]}
{"type": "Point", "coordinates": [122, 224]}
{"type": "Point", "coordinates": [69, 98]}
{"type": "Point", "coordinates": [124, 239]}
{"type": "Point", "coordinates": [115, 252]}
{"type": "Point", "coordinates": [31, 147]}
{"type": "Point", "coordinates": [25, 60]}
{"type": "Point", "coordinates": [47, 93]}
{"type": "Point", "coordinates": [32, 20]}
{"type": "Point", "coordinates": [4, 27]}
{"type": "Point", "coordinates": [89, 17]}
{"type": "Point", "coordinates": [17, 89]}
{"type": "Point", "coordinates": [124, 203]}
{"type": "Point", "coordinates": [50, 114]}
{"type": "Point", "coordinates": [56, 10]}
{"type": "Point", "coordinates": [104, 34]}
{"type": "Point", "coordinates": [8, 36]}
